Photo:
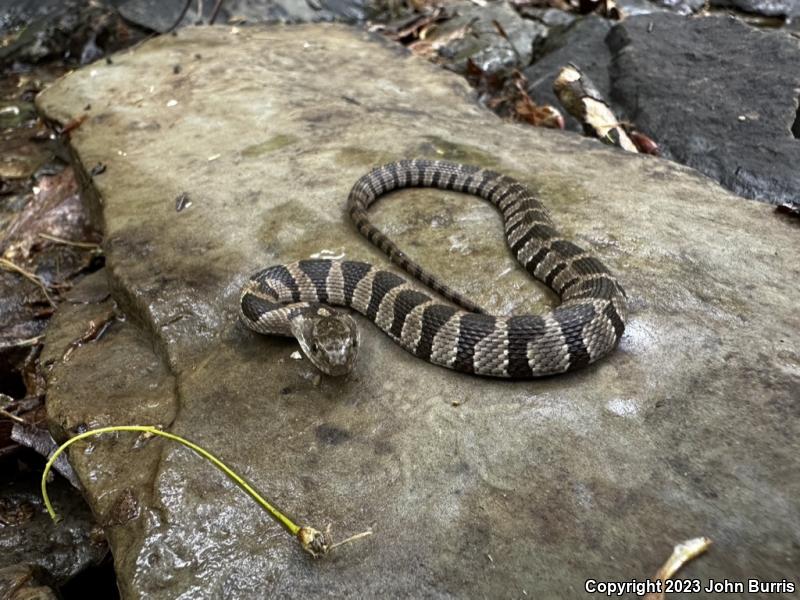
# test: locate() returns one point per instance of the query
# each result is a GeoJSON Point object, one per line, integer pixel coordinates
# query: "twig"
{"type": "Point", "coordinates": [215, 12]}
{"type": "Point", "coordinates": [73, 124]}
{"type": "Point", "coordinates": [177, 22]}
{"type": "Point", "coordinates": [65, 242]}
{"type": "Point", "coordinates": [311, 540]}
{"type": "Point", "coordinates": [10, 266]}
{"type": "Point", "coordinates": [682, 554]}
{"type": "Point", "coordinates": [352, 538]}
{"type": "Point", "coordinates": [504, 35]}
{"type": "Point", "coordinates": [8, 415]}
{"type": "Point", "coordinates": [95, 330]}
{"type": "Point", "coordinates": [22, 343]}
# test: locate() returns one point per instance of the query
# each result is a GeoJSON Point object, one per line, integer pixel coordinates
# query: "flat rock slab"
{"type": "Point", "coordinates": [715, 93]}
{"type": "Point", "coordinates": [473, 487]}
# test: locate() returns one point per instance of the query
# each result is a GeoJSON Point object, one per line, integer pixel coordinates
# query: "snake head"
{"type": "Point", "coordinates": [328, 338]}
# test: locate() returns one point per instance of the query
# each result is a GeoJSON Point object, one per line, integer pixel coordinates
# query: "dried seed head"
{"type": "Point", "coordinates": [314, 542]}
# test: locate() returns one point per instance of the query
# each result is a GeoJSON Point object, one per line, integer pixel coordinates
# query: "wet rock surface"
{"type": "Point", "coordinates": [73, 31]}
{"type": "Point", "coordinates": [717, 95]}
{"type": "Point", "coordinates": [28, 535]}
{"type": "Point", "coordinates": [714, 93]}
{"type": "Point", "coordinates": [473, 487]}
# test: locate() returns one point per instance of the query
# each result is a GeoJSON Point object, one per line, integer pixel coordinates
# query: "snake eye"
{"type": "Point", "coordinates": [315, 347]}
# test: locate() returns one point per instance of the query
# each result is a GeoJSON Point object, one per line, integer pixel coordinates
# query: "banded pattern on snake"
{"type": "Point", "coordinates": [294, 299]}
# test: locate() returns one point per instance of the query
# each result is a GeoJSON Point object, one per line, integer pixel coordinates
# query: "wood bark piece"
{"type": "Point", "coordinates": [581, 98]}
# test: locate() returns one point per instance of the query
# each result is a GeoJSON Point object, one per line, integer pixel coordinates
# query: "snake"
{"type": "Point", "coordinates": [446, 328]}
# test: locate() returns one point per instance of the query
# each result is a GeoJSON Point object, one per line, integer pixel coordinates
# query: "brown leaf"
{"type": "Point", "coordinates": [73, 124]}
{"type": "Point", "coordinates": [789, 208]}
{"type": "Point", "coordinates": [644, 143]}
{"type": "Point", "coordinates": [430, 49]}
{"type": "Point", "coordinates": [55, 209]}
{"type": "Point", "coordinates": [410, 30]}
{"type": "Point", "coordinates": [538, 116]}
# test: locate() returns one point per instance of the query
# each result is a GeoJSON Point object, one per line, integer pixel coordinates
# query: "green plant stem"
{"type": "Point", "coordinates": [276, 514]}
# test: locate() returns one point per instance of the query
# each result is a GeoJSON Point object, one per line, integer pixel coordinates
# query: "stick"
{"type": "Point", "coordinates": [682, 554]}
{"type": "Point", "coordinates": [65, 242]}
{"type": "Point", "coordinates": [311, 540]}
{"type": "Point", "coordinates": [177, 22]}
{"type": "Point", "coordinates": [10, 266]}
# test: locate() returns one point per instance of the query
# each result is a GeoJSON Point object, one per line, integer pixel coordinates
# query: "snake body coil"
{"type": "Point", "coordinates": [293, 299]}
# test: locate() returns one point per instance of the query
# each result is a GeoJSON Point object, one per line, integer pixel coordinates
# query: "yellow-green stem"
{"type": "Point", "coordinates": [290, 526]}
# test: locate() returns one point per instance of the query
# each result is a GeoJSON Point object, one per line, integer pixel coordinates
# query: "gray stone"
{"type": "Point", "coordinates": [490, 51]}
{"type": "Point", "coordinates": [769, 8]}
{"type": "Point", "coordinates": [582, 44]}
{"type": "Point", "coordinates": [62, 30]}
{"type": "Point", "coordinates": [159, 15]}
{"type": "Point", "coordinates": [552, 17]}
{"type": "Point", "coordinates": [633, 8]}
{"type": "Point", "coordinates": [715, 94]}
{"type": "Point", "coordinates": [29, 536]}
{"type": "Point", "coordinates": [473, 487]}
{"type": "Point", "coordinates": [650, 67]}
{"type": "Point", "coordinates": [682, 7]}
{"type": "Point", "coordinates": [786, 9]}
